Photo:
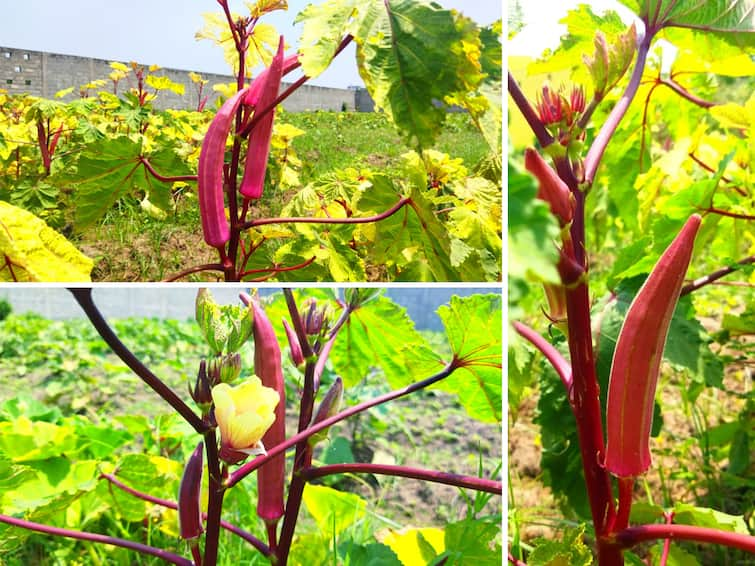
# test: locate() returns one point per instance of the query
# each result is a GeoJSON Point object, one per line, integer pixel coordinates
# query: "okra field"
{"type": "Point", "coordinates": [235, 190]}
{"type": "Point", "coordinates": [631, 247]}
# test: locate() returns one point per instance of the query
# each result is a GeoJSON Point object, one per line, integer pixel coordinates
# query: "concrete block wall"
{"type": "Point", "coordinates": [21, 71]}
{"type": "Point", "coordinates": [43, 74]}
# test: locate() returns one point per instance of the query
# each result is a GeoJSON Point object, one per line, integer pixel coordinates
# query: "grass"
{"type": "Point", "coordinates": [131, 246]}
{"type": "Point", "coordinates": [335, 140]}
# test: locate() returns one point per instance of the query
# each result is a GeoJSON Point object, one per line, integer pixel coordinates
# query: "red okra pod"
{"type": "Point", "coordinates": [259, 138]}
{"type": "Point", "coordinates": [267, 366]}
{"type": "Point", "coordinates": [210, 175]}
{"type": "Point", "coordinates": [637, 358]}
{"type": "Point", "coordinates": [189, 496]}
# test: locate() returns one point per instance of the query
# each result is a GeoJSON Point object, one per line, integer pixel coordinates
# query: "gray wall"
{"type": "Point", "coordinates": [178, 301]}
{"type": "Point", "coordinates": [43, 74]}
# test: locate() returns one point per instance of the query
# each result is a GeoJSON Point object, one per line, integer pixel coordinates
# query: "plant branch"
{"type": "Point", "coordinates": [710, 169]}
{"type": "Point", "coordinates": [249, 467]}
{"type": "Point", "coordinates": [215, 499]}
{"type": "Point", "coordinates": [669, 516]}
{"type": "Point", "coordinates": [148, 166]}
{"type": "Point", "coordinates": [301, 334]}
{"type": "Point", "coordinates": [195, 269]}
{"type": "Point", "coordinates": [705, 166]}
{"type": "Point", "coordinates": [470, 482]}
{"type": "Point", "coordinates": [101, 539]}
{"type": "Point", "coordinates": [274, 270]}
{"type": "Point", "coordinates": [728, 214]}
{"type": "Point", "coordinates": [635, 535]}
{"type": "Point", "coordinates": [84, 297]}
{"type": "Point", "coordinates": [585, 397]}
{"type": "Point", "coordinates": [536, 125]}
{"type": "Point", "coordinates": [310, 220]}
{"type": "Point", "coordinates": [626, 487]}
{"type": "Point", "coordinates": [302, 461]}
{"type": "Point", "coordinates": [684, 93]}
{"type": "Point", "coordinates": [250, 538]}
{"type": "Point", "coordinates": [599, 144]}
{"type": "Point", "coordinates": [708, 279]}
{"type": "Point", "coordinates": [559, 363]}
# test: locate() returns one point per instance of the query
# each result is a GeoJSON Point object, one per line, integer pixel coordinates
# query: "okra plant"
{"type": "Point", "coordinates": [236, 428]}
{"type": "Point", "coordinates": [607, 189]}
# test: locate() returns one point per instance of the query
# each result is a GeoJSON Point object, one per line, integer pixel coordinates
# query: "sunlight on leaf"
{"type": "Point", "coordinates": [36, 252]}
{"type": "Point", "coordinates": [333, 510]}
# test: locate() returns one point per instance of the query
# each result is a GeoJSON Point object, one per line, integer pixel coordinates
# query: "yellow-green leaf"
{"type": "Point", "coordinates": [415, 546]}
{"type": "Point", "coordinates": [35, 252]}
{"type": "Point", "coordinates": [333, 510]}
{"type": "Point", "coordinates": [163, 83]}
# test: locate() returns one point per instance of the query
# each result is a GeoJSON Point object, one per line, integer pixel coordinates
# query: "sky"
{"type": "Point", "coordinates": [162, 31]}
{"type": "Point", "coordinates": [542, 30]}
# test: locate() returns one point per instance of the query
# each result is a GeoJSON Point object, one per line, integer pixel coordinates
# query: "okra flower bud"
{"type": "Point", "coordinates": [297, 356]}
{"type": "Point", "coordinates": [551, 188]}
{"type": "Point", "coordinates": [224, 369]}
{"type": "Point", "coordinates": [243, 413]}
{"type": "Point", "coordinates": [225, 327]}
{"type": "Point", "coordinates": [316, 319]}
{"type": "Point", "coordinates": [201, 392]}
{"type": "Point", "coordinates": [329, 406]}
{"type": "Point", "coordinates": [189, 496]}
{"type": "Point", "coordinates": [637, 359]}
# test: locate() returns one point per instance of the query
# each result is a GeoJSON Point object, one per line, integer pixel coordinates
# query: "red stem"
{"type": "Point", "coordinates": [273, 270]}
{"type": "Point", "coordinates": [250, 538]}
{"type": "Point", "coordinates": [642, 533]}
{"type": "Point", "coordinates": [43, 149]}
{"type": "Point", "coordinates": [626, 487]}
{"type": "Point", "coordinates": [684, 93]}
{"type": "Point", "coordinates": [595, 153]}
{"type": "Point", "coordinates": [559, 363]}
{"type": "Point", "coordinates": [148, 166]}
{"type": "Point", "coordinates": [307, 220]}
{"type": "Point", "coordinates": [708, 279]}
{"type": "Point", "coordinates": [195, 269]}
{"type": "Point", "coordinates": [249, 467]}
{"type": "Point", "coordinates": [216, 492]}
{"type": "Point", "coordinates": [302, 461]}
{"type": "Point", "coordinates": [470, 482]}
{"type": "Point", "coordinates": [586, 400]}
{"type": "Point", "coordinates": [536, 125]}
{"type": "Point", "coordinates": [720, 212]}
{"type": "Point", "coordinates": [94, 537]}
{"type": "Point", "coordinates": [669, 516]}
